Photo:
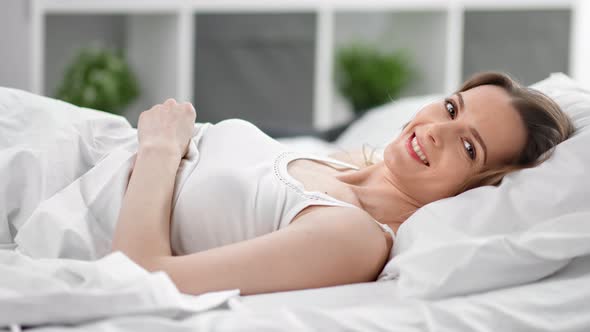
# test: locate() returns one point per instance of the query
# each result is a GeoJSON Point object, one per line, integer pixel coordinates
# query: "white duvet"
{"type": "Point", "coordinates": [483, 261]}
{"type": "Point", "coordinates": [57, 162]}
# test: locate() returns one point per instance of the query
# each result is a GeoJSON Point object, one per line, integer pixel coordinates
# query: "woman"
{"type": "Point", "coordinates": [343, 228]}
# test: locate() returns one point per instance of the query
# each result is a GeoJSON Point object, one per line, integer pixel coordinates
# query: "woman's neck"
{"type": "Point", "coordinates": [378, 194]}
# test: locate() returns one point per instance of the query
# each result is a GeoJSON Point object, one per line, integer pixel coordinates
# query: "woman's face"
{"type": "Point", "coordinates": [451, 140]}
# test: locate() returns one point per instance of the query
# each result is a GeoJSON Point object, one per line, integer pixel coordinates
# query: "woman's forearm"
{"type": "Point", "coordinates": [143, 227]}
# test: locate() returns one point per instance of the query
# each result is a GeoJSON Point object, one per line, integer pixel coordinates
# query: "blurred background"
{"type": "Point", "coordinates": [290, 67]}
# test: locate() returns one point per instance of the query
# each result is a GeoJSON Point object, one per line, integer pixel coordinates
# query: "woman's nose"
{"type": "Point", "coordinates": [432, 134]}
{"type": "Point", "coordinates": [437, 133]}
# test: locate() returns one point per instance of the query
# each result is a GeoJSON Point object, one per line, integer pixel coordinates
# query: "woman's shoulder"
{"type": "Point", "coordinates": [349, 221]}
{"type": "Point", "coordinates": [340, 214]}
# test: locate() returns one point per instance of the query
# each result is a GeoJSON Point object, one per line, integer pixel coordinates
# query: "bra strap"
{"type": "Point", "coordinates": [385, 228]}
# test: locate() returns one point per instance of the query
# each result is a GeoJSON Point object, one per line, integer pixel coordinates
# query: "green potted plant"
{"type": "Point", "coordinates": [369, 78]}
{"type": "Point", "coordinates": [99, 78]}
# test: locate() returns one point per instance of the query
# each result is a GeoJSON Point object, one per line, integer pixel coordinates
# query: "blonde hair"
{"type": "Point", "coordinates": [369, 160]}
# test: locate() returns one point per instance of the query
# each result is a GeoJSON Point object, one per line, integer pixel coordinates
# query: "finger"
{"type": "Point", "coordinates": [170, 102]}
{"type": "Point", "coordinates": [143, 114]}
{"type": "Point", "coordinates": [188, 106]}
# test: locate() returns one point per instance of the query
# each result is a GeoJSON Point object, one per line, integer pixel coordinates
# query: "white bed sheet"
{"type": "Point", "coordinates": [558, 303]}
{"type": "Point", "coordinates": [380, 293]}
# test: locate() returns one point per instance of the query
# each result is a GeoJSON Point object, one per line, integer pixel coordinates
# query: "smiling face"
{"type": "Point", "coordinates": [451, 140]}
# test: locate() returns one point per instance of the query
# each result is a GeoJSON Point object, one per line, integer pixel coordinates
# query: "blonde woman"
{"type": "Point", "coordinates": [263, 219]}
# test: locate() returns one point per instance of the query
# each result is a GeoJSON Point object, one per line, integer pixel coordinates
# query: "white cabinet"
{"type": "Point", "coordinates": [160, 39]}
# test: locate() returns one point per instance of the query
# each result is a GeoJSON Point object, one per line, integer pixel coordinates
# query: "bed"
{"type": "Point", "coordinates": [512, 258]}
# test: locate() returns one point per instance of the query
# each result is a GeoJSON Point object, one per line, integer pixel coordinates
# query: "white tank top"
{"type": "Point", "coordinates": [234, 186]}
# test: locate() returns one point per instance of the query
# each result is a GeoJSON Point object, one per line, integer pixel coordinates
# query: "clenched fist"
{"type": "Point", "coordinates": [168, 126]}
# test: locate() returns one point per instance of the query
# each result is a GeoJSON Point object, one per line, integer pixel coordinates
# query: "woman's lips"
{"type": "Point", "coordinates": [411, 149]}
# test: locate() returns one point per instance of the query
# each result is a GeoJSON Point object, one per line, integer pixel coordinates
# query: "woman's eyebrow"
{"type": "Point", "coordinates": [474, 132]}
{"type": "Point", "coordinates": [461, 102]}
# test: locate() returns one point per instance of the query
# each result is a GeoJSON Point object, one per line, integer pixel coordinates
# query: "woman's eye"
{"type": "Point", "coordinates": [470, 150]}
{"type": "Point", "coordinates": [450, 108]}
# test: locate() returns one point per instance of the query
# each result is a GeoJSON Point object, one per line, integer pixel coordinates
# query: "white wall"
{"type": "Point", "coordinates": [15, 49]}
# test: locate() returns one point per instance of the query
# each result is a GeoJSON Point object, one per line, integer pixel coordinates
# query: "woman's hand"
{"type": "Point", "coordinates": [168, 127]}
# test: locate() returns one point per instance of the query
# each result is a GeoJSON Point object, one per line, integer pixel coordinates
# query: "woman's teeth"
{"type": "Point", "coordinates": [419, 152]}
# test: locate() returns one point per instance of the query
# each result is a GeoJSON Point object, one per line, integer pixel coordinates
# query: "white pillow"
{"type": "Point", "coordinates": [490, 237]}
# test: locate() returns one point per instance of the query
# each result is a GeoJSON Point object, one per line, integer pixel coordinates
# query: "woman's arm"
{"type": "Point", "coordinates": [338, 246]}
{"type": "Point", "coordinates": [143, 228]}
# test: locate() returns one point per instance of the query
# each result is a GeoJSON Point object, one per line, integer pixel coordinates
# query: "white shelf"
{"type": "Point", "coordinates": [517, 5]}
{"type": "Point", "coordinates": [143, 6]}
{"type": "Point", "coordinates": [106, 6]}
{"type": "Point", "coordinates": [175, 24]}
